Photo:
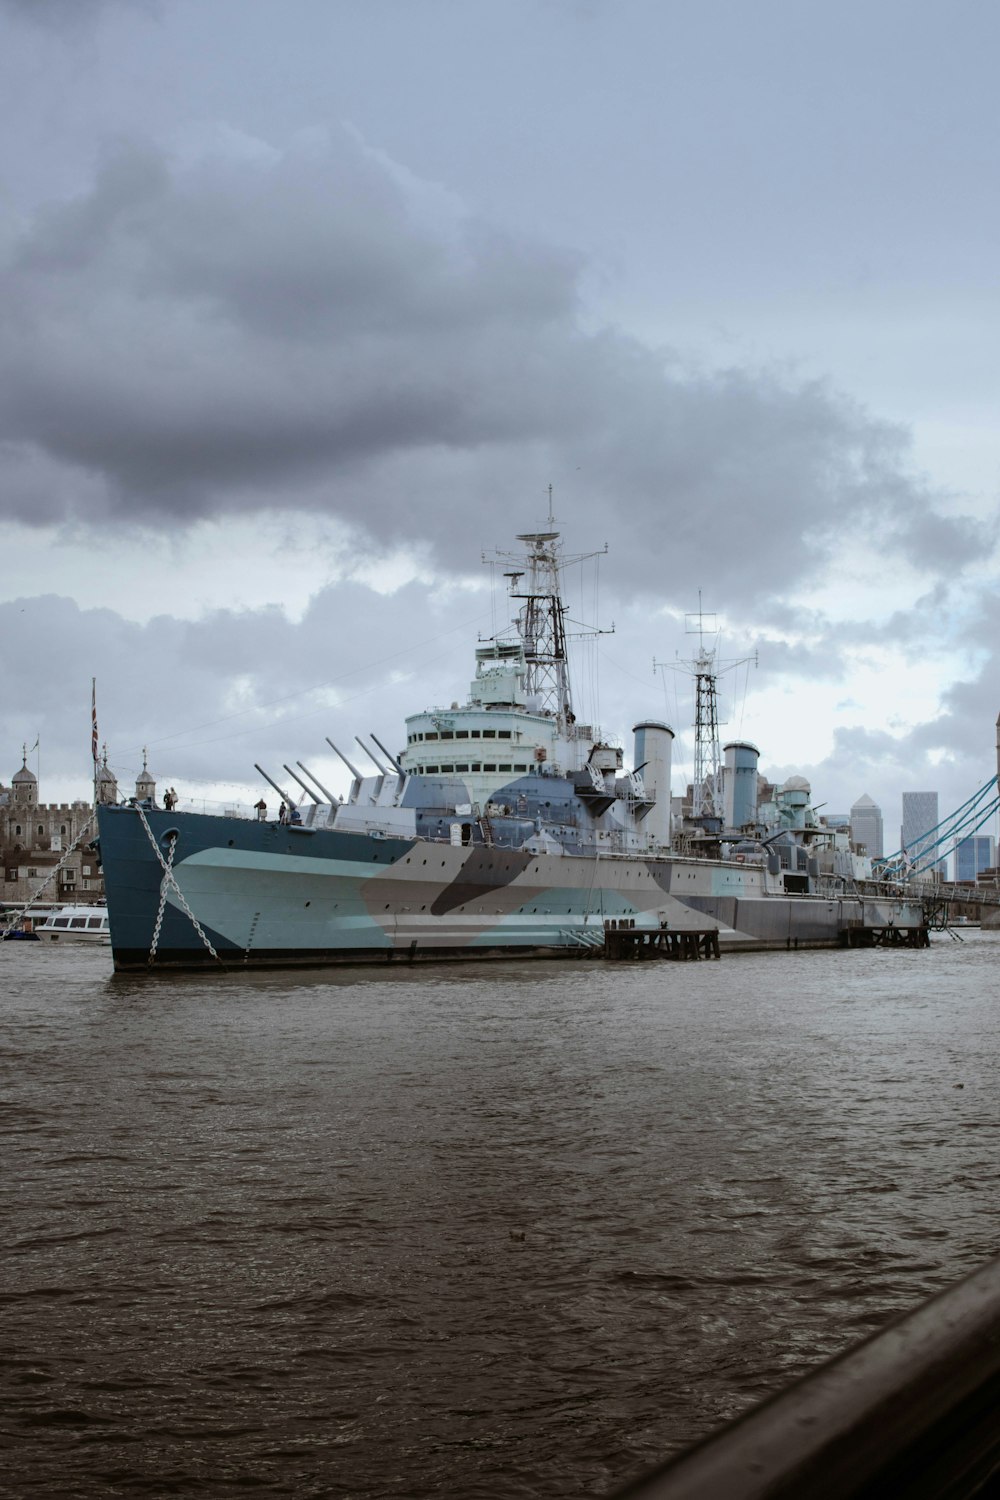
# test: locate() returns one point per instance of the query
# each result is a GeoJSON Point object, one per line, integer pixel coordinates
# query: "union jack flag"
{"type": "Point", "coordinates": [93, 718]}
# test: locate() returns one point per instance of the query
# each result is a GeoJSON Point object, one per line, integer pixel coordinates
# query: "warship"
{"type": "Point", "coordinates": [505, 828]}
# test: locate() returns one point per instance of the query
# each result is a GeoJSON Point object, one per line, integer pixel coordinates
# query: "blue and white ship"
{"type": "Point", "coordinates": [505, 828]}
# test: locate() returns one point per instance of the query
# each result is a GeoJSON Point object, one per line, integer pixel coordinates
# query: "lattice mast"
{"type": "Point", "coordinates": [707, 749]}
{"type": "Point", "coordinates": [540, 618]}
{"type": "Point", "coordinates": [706, 791]}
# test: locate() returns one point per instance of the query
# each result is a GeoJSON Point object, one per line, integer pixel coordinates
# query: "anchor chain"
{"type": "Point", "coordinates": [164, 887]}
{"type": "Point", "coordinates": [170, 880]}
{"type": "Point", "coordinates": [19, 914]}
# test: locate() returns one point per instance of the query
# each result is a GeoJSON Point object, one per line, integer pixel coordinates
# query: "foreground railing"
{"type": "Point", "coordinates": [912, 1412]}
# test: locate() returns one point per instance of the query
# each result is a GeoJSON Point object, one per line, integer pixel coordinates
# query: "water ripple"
{"type": "Point", "coordinates": [495, 1231]}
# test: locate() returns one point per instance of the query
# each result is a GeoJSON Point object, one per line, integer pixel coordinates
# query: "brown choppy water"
{"type": "Point", "coordinates": [492, 1231]}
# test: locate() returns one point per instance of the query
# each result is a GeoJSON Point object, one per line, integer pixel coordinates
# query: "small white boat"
{"type": "Point", "coordinates": [75, 924]}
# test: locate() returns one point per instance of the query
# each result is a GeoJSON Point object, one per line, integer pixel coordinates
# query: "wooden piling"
{"type": "Point", "coordinates": [627, 942]}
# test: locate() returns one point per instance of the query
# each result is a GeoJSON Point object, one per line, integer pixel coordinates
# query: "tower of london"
{"type": "Point", "coordinates": [35, 837]}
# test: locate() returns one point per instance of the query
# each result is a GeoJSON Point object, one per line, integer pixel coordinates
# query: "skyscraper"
{"type": "Point", "coordinates": [920, 816]}
{"type": "Point", "coordinates": [973, 854]}
{"type": "Point", "coordinates": [866, 826]}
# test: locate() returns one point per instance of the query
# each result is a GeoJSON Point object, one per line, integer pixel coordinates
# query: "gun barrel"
{"type": "Point", "coordinates": [391, 758]}
{"type": "Point", "coordinates": [353, 770]}
{"type": "Point", "coordinates": [312, 777]}
{"type": "Point", "coordinates": [374, 759]}
{"type": "Point", "coordinates": [280, 790]}
{"type": "Point", "coordinates": [307, 789]}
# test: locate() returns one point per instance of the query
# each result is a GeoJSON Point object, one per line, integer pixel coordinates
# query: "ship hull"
{"type": "Point", "coordinates": [272, 895]}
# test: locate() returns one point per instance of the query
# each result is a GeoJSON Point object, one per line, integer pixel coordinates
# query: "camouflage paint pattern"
{"type": "Point", "coordinates": [276, 895]}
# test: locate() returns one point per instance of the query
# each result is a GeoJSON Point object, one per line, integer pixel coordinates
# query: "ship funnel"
{"type": "Point", "coordinates": [740, 799]}
{"type": "Point", "coordinates": [653, 749]}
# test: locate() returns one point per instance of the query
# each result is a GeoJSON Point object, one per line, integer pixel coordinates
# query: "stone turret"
{"type": "Point", "coordinates": [145, 786]}
{"type": "Point", "coordinates": [107, 786]}
{"type": "Point", "coordinates": [24, 784]}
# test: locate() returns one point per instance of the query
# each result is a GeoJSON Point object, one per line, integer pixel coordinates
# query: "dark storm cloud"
{"type": "Point", "coordinates": [304, 330]}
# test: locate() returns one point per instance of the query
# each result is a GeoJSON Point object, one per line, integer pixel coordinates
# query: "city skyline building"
{"type": "Point", "coordinates": [973, 854]}
{"type": "Point", "coordinates": [920, 817]}
{"type": "Point", "coordinates": [866, 826]}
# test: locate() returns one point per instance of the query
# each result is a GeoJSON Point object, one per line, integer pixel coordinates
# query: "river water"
{"type": "Point", "coordinates": [487, 1230]}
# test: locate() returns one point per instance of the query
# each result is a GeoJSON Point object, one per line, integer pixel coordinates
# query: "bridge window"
{"type": "Point", "coordinates": [489, 734]}
{"type": "Point", "coordinates": [474, 734]}
{"type": "Point", "coordinates": [447, 734]}
{"type": "Point", "coordinates": [503, 734]}
{"type": "Point", "coordinates": [432, 770]}
{"type": "Point", "coordinates": [461, 734]}
{"type": "Point", "coordinates": [461, 768]}
{"type": "Point", "coordinates": [489, 765]}
{"type": "Point", "coordinates": [431, 735]}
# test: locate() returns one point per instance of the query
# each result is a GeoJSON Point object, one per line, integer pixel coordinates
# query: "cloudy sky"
{"type": "Point", "coordinates": [305, 305]}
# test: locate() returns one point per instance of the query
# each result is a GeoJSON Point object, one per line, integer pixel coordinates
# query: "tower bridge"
{"type": "Point", "coordinates": [920, 876]}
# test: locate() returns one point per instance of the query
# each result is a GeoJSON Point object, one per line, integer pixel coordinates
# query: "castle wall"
{"type": "Point", "coordinates": [34, 838]}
